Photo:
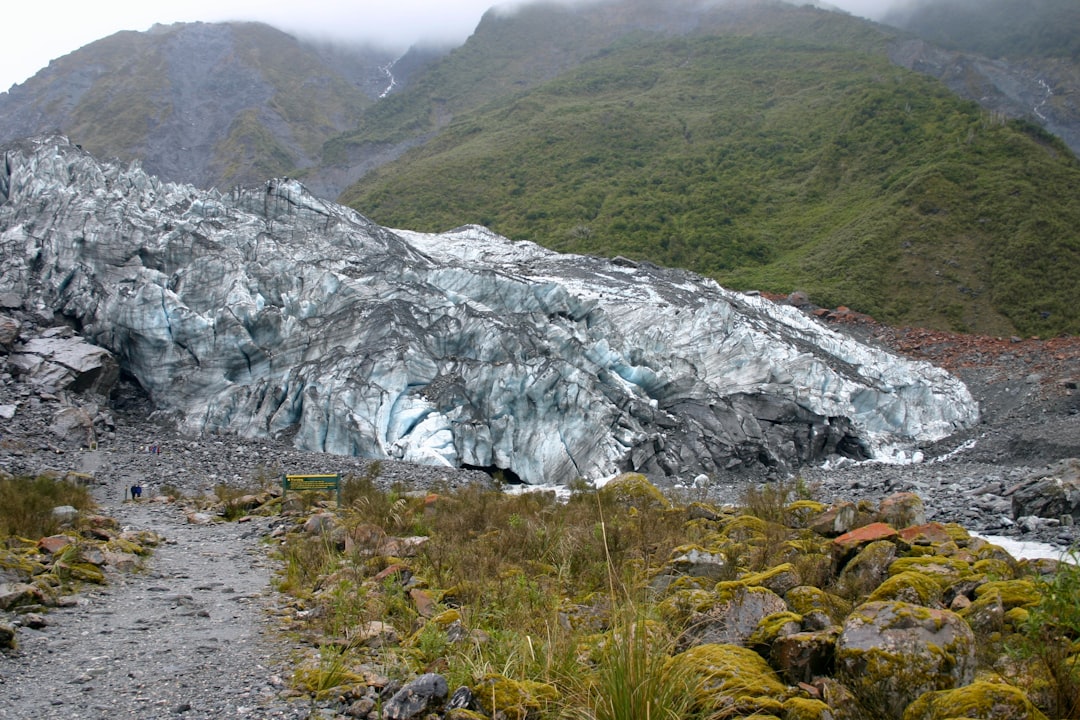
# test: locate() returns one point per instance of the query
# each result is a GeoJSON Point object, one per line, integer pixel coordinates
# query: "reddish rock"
{"type": "Point", "coordinates": [850, 543]}
{"type": "Point", "coordinates": [926, 534]}
{"type": "Point", "coordinates": [423, 602]}
{"type": "Point", "coordinates": [395, 569]}
{"type": "Point", "coordinates": [55, 543]}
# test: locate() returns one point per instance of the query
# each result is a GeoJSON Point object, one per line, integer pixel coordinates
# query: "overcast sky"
{"type": "Point", "coordinates": [37, 31]}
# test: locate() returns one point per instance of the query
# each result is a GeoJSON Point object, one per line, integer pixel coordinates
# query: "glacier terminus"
{"type": "Point", "coordinates": [267, 312]}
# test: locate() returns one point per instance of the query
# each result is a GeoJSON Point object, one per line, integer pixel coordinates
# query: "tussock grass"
{"type": "Point", "coordinates": [26, 504]}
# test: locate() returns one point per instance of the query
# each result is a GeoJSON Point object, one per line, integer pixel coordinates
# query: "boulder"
{"type": "Point", "coordinates": [837, 520]}
{"type": "Point", "coordinates": [735, 618]}
{"type": "Point", "coordinates": [902, 510]}
{"type": "Point", "coordinates": [801, 657]}
{"type": "Point", "coordinates": [16, 594]}
{"type": "Point", "coordinates": [55, 362]}
{"type": "Point", "coordinates": [417, 697]}
{"type": "Point", "coordinates": [729, 680]}
{"type": "Point", "coordinates": [867, 569]}
{"type": "Point", "coordinates": [847, 545]}
{"type": "Point", "coordinates": [1050, 493]}
{"type": "Point", "coordinates": [889, 653]}
{"type": "Point", "coordinates": [73, 426]}
{"type": "Point", "coordinates": [984, 700]}
{"type": "Point", "coordinates": [515, 699]}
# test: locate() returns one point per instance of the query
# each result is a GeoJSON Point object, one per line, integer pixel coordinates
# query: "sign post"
{"type": "Point", "coordinates": [312, 482]}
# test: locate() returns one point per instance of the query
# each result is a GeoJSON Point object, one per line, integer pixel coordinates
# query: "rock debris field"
{"type": "Point", "coordinates": [183, 638]}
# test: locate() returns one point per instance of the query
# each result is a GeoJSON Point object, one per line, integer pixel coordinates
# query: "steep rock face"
{"type": "Point", "coordinates": [1042, 90]}
{"type": "Point", "coordinates": [208, 103]}
{"type": "Point", "coordinates": [268, 312]}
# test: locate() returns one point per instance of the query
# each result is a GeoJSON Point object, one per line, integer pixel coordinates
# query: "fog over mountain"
{"type": "Point", "coordinates": [36, 33]}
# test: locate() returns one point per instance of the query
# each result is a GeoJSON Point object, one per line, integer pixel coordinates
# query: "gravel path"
{"type": "Point", "coordinates": [187, 637]}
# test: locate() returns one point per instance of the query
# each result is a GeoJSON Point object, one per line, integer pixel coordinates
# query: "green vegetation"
{"type": "Point", "coordinates": [769, 164]}
{"type": "Point", "coordinates": [1051, 636]}
{"type": "Point", "coordinates": [591, 608]}
{"type": "Point", "coordinates": [26, 505]}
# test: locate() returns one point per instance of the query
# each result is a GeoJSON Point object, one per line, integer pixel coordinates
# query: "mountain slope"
{"type": "Point", "coordinates": [214, 104]}
{"type": "Point", "coordinates": [771, 164]}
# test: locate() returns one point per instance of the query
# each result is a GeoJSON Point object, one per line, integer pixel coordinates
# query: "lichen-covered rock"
{"type": "Point", "coordinates": [866, 571]}
{"type": "Point", "coordinates": [772, 627]}
{"type": "Point", "coordinates": [910, 587]}
{"type": "Point", "coordinates": [798, 708]}
{"type": "Point", "coordinates": [983, 700]}
{"type": "Point", "coordinates": [779, 579]}
{"type": "Point", "coordinates": [943, 570]}
{"type": "Point", "coordinates": [849, 544]}
{"type": "Point", "coordinates": [634, 490]}
{"type": "Point", "coordinates": [516, 699]}
{"type": "Point", "coordinates": [890, 653]}
{"type": "Point", "coordinates": [932, 533]}
{"type": "Point", "coordinates": [800, 513]}
{"type": "Point", "coordinates": [696, 561]}
{"type": "Point", "coordinates": [809, 601]}
{"type": "Point", "coordinates": [994, 599]}
{"type": "Point", "coordinates": [731, 680]}
{"type": "Point", "coordinates": [13, 595]}
{"type": "Point", "coordinates": [841, 701]}
{"type": "Point", "coordinates": [902, 510]}
{"type": "Point", "coordinates": [735, 618]}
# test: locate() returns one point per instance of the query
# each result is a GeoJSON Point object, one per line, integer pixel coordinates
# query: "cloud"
{"type": "Point", "coordinates": [37, 32]}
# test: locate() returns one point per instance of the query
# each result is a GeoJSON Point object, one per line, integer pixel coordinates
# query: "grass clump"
{"type": "Point", "coordinates": [26, 504]}
{"type": "Point", "coordinates": [1050, 635]}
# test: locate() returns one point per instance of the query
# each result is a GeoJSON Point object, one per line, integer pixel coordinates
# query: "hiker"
{"type": "Point", "coordinates": [136, 491]}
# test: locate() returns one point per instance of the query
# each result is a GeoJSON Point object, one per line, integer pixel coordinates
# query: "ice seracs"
{"type": "Point", "coordinates": [269, 312]}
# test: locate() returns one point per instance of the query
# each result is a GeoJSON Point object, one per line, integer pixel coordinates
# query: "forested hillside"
{"type": "Point", "coordinates": [799, 158]}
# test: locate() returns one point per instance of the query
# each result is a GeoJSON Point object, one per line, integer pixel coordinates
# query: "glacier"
{"type": "Point", "coordinates": [267, 312]}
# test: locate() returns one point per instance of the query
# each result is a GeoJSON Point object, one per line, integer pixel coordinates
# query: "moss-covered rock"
{"type": "Point", "coordinates": [798, 708]}
{"type": "Point", "coordinates": [987, 701]}
{"type": "Point", "coordinates": [866, 570]}
{"type": "Point", "coordinates": [779, 579]}
{"type": "Point", "coordinates": [943, 570]}
{"type": "Point", "coordinates": [890, 653]}
{"type": "Point", "coordinates": [745, 527]}
{"type": "Point", "coordinates": [801, 513]}
{"type": "Point", "coordinates": [735, 617]}
{"type": "Point", "coordinates": [807, 600]}
{"type": "Point", "coordinates": [772, 627]}
{"type": "Point", "coordinates": [19, 565]}
{"type": "Point", "coordinates": [80, 572]}
{"type": "Point", "coordinates": [910, 587]}
{"type": "Point", "coordinates": [994, 599]}
{"type": "Point", "coordinates": [516, 699]}
{"type": "Point", "coordinates": [634, 490]}
{"type": "Point", "coordinates": [732, 680]}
